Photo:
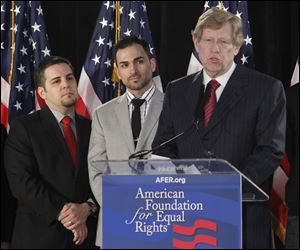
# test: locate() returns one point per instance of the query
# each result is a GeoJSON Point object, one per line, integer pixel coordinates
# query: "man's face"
{"type": "Point", "coordinates": [135, 69]}
{"type": "Point", "coordinates": [216, 50]}
{"type": "Point", "coordinates": [60, 89]}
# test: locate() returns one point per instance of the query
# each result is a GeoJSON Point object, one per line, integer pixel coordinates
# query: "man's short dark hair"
{"type": "Point", "coordinates": [128, 41]}
{"type": "Point", "coordinates": [39, 77]}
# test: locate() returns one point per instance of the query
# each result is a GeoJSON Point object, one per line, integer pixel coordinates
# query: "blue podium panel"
{"type": "Point", "coordinates": [172, 211]}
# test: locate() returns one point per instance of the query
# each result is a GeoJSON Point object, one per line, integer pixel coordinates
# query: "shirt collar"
{"type": "Point", "coordinates": [222, 79]}
{"type": "Point", "coordinates": [59, 116]}
{"type": "Point", "coordinates": [147, 95]}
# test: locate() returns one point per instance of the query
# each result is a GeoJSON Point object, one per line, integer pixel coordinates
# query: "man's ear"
{"type": "Point", "coordinates": [42, 92]}
{"type": "Point", "coordinates": [196, 43]}
{"type": "Point", "coordinates": [153, 64]}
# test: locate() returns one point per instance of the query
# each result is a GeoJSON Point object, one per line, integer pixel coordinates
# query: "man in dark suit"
{"type": "Point", "coordinates": [8, 202]}
{"type": "Point", "coordinates": [46, 163]}
{"type": "Point", "coordinates": [292, 149]}
{"type": "Point", "coordinates": [241, 117]}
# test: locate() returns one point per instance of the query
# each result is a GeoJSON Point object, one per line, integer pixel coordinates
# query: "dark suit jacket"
{"type": "Point", "coordinates": [43, 179]}
{"type": "Point", "coordinates": [292, 149]}
{"type": "Point", "coordinates": [247, 129]}
{"type": "Point", "coordinates": [8, 202]}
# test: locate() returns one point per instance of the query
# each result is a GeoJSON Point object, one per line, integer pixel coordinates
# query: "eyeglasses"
{"type": "Point", "coordinates": [222, 43]}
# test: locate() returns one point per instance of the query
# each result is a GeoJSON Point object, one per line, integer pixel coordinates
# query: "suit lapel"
{"type": "Point", "coordinates": [122, 114]}
{"type": "Point", "coordinates": [231, 95]}
{"type": "Point", "coordinates": [80, 132]}
{"type": "Point", "coordinates": [151, 118]}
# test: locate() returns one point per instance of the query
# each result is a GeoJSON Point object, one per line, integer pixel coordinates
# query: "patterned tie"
{"type": "Point", "coordinates": [70, 138]}
{"type": "Point", "coordinates": [211, 102]}
{"type": "Point", "coordinates": [136, 118]}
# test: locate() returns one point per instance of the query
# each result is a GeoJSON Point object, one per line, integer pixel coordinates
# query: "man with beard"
{"type": "Point", "coordinates": [127, 123]}
{"type": "Point", "coordinates": [46, 163]}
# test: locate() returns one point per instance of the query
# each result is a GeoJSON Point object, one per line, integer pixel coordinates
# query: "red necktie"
{"type": "Point", "coordinates": [70, 138]}
{"type": "Point", "coordinates": [211, 102]}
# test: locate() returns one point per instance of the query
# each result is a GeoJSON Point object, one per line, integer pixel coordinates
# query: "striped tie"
{"type": "Point", "coordinates": [211, 103]}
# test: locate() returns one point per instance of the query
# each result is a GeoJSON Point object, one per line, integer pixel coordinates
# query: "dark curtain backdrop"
{"type": "Point", "coordinates": [274, 26]}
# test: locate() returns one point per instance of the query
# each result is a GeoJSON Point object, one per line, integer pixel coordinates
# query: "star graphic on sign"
{"type": "Point", "coordinates": [22, 69]}
{"type": "Point", "coordinates": [106, 81]}
{"type": "Point", "coordinates": [142, 23]}
{"type": "Point", "coordinates": [100, 41]}
{"type": "Point", "coordinates": [19, 87]}
{"type": "Point", "coordinates": [40, 10]}
{"type": "Point", "coordinates": [46, 51]}
{"type": "Point", "coordinates": [248, 40]}
{"type": "Point", "coordinates": [18, 105]}
{"type": "Point", "coordinates": [244, 59]}
{"type": "Point", "coordinates": [127, 33]}
{"type": "Point", "coordinates": [238, 14]}
{"type": "Point", "coordinates": [103, 22]}
{"type": "Point", "coordinates": [131, 14]}
{"type": "Point", "coordinates": [36, 27]}
{"type": "Point", "coordinates": [24, 51]}
{"type": "Point", "coordinates": [96, 59]}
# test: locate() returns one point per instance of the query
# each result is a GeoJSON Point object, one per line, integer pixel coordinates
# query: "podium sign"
{"type": "Point", "coordinates": [172, 211]}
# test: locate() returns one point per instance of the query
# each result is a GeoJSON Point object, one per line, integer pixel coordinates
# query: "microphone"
{"type": "Point", "coordinates": [140, 154]}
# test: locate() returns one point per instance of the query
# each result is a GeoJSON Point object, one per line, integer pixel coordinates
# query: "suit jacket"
{"type": "Point", "coordinates": [292, 149]}
{"type": "Point", "coordinates": [247, 129]}
{"type": "Point", "coordinates": [112, 139]}
{"type": "Point", "coordinates": [8, 202]}
{"type": "Point", "coordinates": [42, 178]}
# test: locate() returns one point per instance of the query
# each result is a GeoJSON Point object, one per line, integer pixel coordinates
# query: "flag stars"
{"type": "Point", "coordinates": [2, 26]}
{"type": "Point", "coordinates": [15, 29]}
{"type": "Point", "coordinates": [121, 10]}
{"type": "Point", "coordinates": [100, 41]}
{"type": "Point", "coordinates": [23, 51]}
{"type": "Point", "coordinates": [244, 59]}
{"type": "Point", "coordinates": [248, 40]}
{"type": "Point", "coordinates": [112, 25]}
{"type": "Point", "coordinates": [18, 106]}
{"type": "Point", "coordinates": [144, 7]}
{"type": "Point", "coordinates": [206, 5]}
{"type": "Point", "coordinates": [22, 69]}
{"type": "Point", "coordinates": [103, 22]}
{"type": "Point", "coordinates": [106, 81]}
{"type": "Point", "coordinates": [108, 63]}
{"type": "Point", "coordinates": [19, 87]}
{"type": "Point", "coordinates": [17, 10]}
{"type": "Point", "coordinates": [109, 44]}
{"type": "Point", "coordinates": [25, 33]}
{"type": "Point", "coordinates": [131, 15]}
{"type": "Point", "coordinates": [113, 6]}
{"type": "Point", "coordinates": [2, 45]}
{"type": "Point", "coordinates": [40, 10]}
{"type": "Point", "coordinates": [107, 5]}
{"type": "Point", "coordinates": [151, 49]}
{"type": "Point", "coordinates": [238, 14]}
{"type": "Point", "coordinates": [96, 59]}
{"type": "Point", "coordinates": [2, 8]}
{"type": "Point", "coordinates": [142, 23]}
{"type": "Point", "coordinates": [36, 27]}
{"type": "Point", "coordinates": [46, 52]}
{"type": "Point", "coordinates": [33, 45]}
{"type": "Point", "coordinates": [127, 33]}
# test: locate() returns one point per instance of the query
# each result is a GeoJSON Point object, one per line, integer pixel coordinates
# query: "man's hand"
{"type": "Point", "coordinates": [80, 234]}
{"type": "Point", "coordinates": [73, 214]}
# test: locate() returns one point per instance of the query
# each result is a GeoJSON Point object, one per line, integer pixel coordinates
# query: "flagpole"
{"type": "Point", "coordinates": [12, 43]}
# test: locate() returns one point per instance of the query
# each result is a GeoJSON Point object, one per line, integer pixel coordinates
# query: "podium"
{"type": "Point", "coordinates": [191, 203]}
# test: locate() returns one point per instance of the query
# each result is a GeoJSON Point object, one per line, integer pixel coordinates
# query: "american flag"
{"type": "Point", "coordinates": [24, 43]}
{"type": "Point", "coordinates": [95, 84]}
{"type": "Point", "coordinates": [245, 56]}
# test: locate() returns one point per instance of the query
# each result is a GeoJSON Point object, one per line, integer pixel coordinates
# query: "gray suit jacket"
{"type": "Point", "coordinates": [112, 139]}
